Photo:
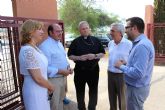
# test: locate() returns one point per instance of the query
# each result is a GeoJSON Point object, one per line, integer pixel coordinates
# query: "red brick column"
{"type": "Point", "coordinates": [44, 9]}
{"type": "Point", "coordinates": [149, 20]}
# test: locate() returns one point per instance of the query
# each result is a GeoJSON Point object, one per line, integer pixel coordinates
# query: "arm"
{"type": "Point", "coordinates": [86, 57]}
{"type": "Point", "coordinates": [65, 72]}
{"type": "Point", "coordinates": [78, 58]}
{"type": "Point", "coordinates": [74, 58]}
{"type": "Point", "coordinates": [137, 69]}
{"type": "Point", "coordinates": [99, 55]}
{"type": "Point", "coordinates": [31, 60]}
{"type": "Point", "coordinates": [92, 56]}
{"type": "Point", "coordinates": [37, 77]}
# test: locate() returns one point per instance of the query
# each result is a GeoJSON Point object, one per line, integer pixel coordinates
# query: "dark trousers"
{"type": "Point", "coordinates": [90, 77]}
{"type": "Point", "coordinates": [116, 88]}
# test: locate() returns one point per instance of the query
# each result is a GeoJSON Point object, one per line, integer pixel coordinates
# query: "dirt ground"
{"type": "Point", "coordinates": [155, 101]}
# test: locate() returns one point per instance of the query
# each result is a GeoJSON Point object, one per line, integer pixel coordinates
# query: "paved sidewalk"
{"type": "Point", "coordinates": [155, 101]}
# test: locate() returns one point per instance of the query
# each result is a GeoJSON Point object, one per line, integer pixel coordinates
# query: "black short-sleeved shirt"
{"type": "Point", "coordinates": [81, 46]}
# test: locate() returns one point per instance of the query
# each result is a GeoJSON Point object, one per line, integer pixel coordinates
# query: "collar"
{"type": "Point", "coordinates": [122, 40]}
{"type": "Point", "coordinates": [85, 37]}
{"type": "Point", "coordinates": [140, 37]}
{"type": "Point", "coordinates": [53, 39]}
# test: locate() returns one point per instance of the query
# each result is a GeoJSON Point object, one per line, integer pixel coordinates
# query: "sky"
{"type": "Point", "coordinates": [6, 8]}
{"type": "Point", "coordinates": [123, 8]}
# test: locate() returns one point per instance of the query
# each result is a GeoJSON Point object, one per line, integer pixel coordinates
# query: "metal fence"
{"type": "Point", "coordinates": [156, 33]}
{"type": "Point", "coordinates": [10, 78]}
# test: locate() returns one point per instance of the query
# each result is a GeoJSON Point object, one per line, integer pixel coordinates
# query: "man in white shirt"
{"type": "Point", "coordinates": [119, 49]}
{"type": "Point", "coordinates": [58, 66]}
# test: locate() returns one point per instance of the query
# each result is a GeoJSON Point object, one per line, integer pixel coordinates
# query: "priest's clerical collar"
{"type": "Point", "coordinates": [85, 37]}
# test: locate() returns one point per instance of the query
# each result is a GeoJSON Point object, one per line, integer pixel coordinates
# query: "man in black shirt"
{"type": "Point", "coordinates": [86, 51]}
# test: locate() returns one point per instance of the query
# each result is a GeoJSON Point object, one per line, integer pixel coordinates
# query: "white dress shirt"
{"type": "Point", "coordinates": [117, 52]}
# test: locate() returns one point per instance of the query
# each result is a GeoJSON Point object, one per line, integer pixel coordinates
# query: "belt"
{"type": "Point", "coordinates": [113, 72]}
{"type": "Point", "coordinates": [56, 77]}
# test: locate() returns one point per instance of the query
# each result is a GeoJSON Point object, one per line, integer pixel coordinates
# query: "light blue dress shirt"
{"type": "Point", "coordinates": [138, 70]}
{"type": "Point", "coordinates": [118, 52]}
{"type": "Point", "coordinates": [56, 55]}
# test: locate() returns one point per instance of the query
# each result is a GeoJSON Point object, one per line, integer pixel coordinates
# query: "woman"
{"type": "Point", "coordinates": [33, 65]}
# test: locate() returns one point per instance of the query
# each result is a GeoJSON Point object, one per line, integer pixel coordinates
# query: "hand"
{"type": "Point", "coordinates": [119, 63]}
{"type": "Point", "coordinates": [83, 57]}
{"type": "Point", "coordinates": [64, 72]}
{"type": "Point", "coordinates": [91, 56]}
{"type": "Point", "coordinates": [50, 96]}
{"type": "Point", "coordinates": [70, 69]}
{"type": "Point", "coordinates": [51, 89]}
{"type": "Point", "coordinates": [124, 62]}
{"type": "Point", "coordinates": [50, 93]}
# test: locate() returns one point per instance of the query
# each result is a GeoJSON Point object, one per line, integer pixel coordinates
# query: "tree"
{"type": "Point", "coordinates": [74, 11]}
{"type": "Point", "coordinates": [159, 10]}
{"type": "Point", "coordinates": [105, 20]}
{"type": "Point", "coordinates": [159, 32]}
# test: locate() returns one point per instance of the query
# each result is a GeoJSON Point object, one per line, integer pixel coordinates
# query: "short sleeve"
{"type": "Point", "coordinates": [72, 48]}
{"type": "Point", "coordinates": [31, 61]}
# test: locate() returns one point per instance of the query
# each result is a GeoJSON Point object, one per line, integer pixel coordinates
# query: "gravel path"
{"type": "Point", "coordinates": [155, 101]}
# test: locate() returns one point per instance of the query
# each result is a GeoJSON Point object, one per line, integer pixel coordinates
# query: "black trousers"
{"type": "Point", "coordinates": [116, 89]}
{"type": "Point", "coordinates": [89, 77]}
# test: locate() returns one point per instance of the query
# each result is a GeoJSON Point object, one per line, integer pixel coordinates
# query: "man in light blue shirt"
{"type": "Point", "coordinates": [138, 70]}
{"type": "Point", "coordinates": [58, 66]}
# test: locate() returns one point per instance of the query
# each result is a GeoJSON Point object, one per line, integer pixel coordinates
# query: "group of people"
{"type": "Point", "coordinates": [130, 65]}
{"type": "Point", "coordinates": [42, 59]}
{"type": "Point", "coordinates": [44, 65]}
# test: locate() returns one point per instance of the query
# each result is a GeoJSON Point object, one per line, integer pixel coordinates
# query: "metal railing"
{"type": "Point", "coordinates": [156, 33]}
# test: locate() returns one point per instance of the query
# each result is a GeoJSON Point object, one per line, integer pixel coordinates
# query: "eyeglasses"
{"type": "Point", "coordinates": [128, 27]}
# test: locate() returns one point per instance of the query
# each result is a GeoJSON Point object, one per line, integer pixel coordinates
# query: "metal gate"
{"type": "Point", "coordinates": [156, 33]}
{"type": "Point", "coordinates": [10, 78]}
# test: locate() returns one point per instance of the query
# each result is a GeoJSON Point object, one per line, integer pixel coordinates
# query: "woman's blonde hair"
{"type": "Point", "coordinates": [27, 28]}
